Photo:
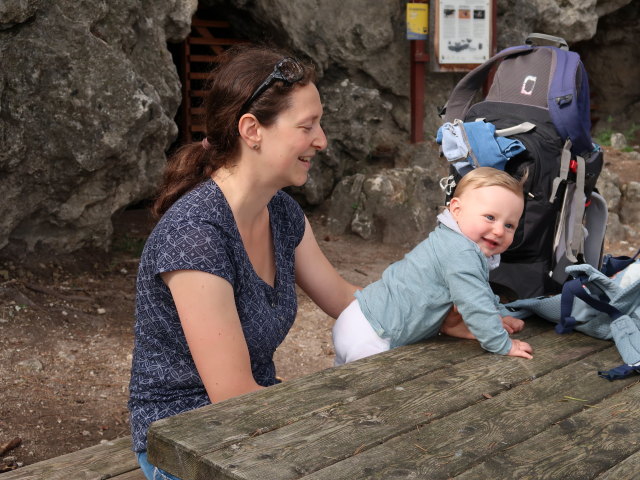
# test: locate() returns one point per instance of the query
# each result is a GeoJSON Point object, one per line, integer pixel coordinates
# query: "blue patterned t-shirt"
{"type": "Point", "coordinates": [199, 233]}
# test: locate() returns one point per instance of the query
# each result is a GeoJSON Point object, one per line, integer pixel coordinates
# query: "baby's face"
{"type": "Point", "coordinates": [488, 216]}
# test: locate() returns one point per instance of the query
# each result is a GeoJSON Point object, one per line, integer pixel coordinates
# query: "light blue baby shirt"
{"type": "Point", "coordinates": [411, 300]}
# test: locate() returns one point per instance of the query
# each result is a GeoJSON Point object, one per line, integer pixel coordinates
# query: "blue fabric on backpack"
{"type": "Point", "coordinates": [612, 265]}
{"type": "Point", "coordinates": [490, 150]}
{"type": "Point", "coordinates": [611, 311]}
{"type": "Point", "coordinates": [569, 101]}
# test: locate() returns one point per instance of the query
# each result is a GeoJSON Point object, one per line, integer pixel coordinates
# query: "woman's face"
{"type": "Point", "coordinates": [291, 142]}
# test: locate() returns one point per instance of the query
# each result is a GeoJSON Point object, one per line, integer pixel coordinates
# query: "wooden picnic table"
{"type": "Point", "coordinates": [443, 408]}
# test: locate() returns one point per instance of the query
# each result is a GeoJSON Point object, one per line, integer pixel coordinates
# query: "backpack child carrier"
{"type": "Point", "coordinates": [603, 304]}
{"type": "Point", "coordinates": [539, 99]}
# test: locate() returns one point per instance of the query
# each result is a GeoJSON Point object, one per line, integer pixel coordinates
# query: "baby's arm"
{"type": "Point", "coordinates": [520, 349]}
{"type": "Point", "coordinates": [454, 325]}
{"type": "Point", "coordinates": [512, 324]}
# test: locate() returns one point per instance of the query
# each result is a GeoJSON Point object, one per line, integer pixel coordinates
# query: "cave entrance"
{"type": "Point", "coordinates": [194, 58]}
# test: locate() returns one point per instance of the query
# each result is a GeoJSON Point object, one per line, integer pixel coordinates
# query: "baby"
{"type": "Point", "coordinates": [446, 274]}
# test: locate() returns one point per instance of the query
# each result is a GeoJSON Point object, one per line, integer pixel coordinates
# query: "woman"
{"type": "Point", "coordinates": [216, 286]}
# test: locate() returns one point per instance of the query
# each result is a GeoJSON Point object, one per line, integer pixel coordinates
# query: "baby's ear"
{"type": "Point", "coordinates": [454, 207]}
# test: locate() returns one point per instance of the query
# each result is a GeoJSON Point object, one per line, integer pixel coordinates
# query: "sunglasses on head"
{"type": "Point", "coordinates": [287, 70]}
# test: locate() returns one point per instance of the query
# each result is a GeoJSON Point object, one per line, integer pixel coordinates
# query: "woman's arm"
{"type": "Point", "coordinates": [211, 325]}
{"type": "Point", "coordinates": [317, 277]}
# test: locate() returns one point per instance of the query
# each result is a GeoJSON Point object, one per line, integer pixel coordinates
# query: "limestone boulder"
{"type": "Point", "coordinates": [397, 205]}
{"type": "Point", "coordinates": [88, 92]}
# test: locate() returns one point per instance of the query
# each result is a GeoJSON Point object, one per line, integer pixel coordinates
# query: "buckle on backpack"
{"type": "Point", "coordinates": [573, 166]}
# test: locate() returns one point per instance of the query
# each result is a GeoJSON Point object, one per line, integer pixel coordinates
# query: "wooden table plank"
{"type": "Point", "coordinates": [173, 442]}
{"type": "Point", "coordinates": [318, 441]}
{"type": "Point", "coordinates": [93, 463]}
{"type": "Point", "coordinates": [627, 469]}
{"type": "Point", "coordinates": [448, 446]}
{"type": "Point", "coordinates": [133, 475]}
{"type": "Point", "coordinates": [578, 448]}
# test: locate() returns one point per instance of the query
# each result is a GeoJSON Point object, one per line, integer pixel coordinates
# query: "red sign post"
{"type": "Point", "coordinates": [417, 33]}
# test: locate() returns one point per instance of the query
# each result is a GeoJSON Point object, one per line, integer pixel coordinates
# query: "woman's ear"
{"type": "Point", "coordinates": [250, 130]}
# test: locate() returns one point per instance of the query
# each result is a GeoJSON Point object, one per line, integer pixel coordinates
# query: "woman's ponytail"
{"type": "Point", "coordinates": [190, 165]}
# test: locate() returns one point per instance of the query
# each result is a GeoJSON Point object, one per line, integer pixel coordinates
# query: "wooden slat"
{"type": "Point", "coordinates": [198, 75]}
{"type": "Point", "coordinates": [449, 446]}
{"type": "Point", "coordinates": [185, 68]}
{"type": "Point", "coordinates": [133, 475]}
{"type": "Point", "coordinates": [93, 463]}
{"type": "Point", "coordinates": [315, 442]}
{"type": "Point", "coordinates": [206, 33]}
{"type": "Point", "coordinates": [203, 58]}
{"type": "Point", "coordinates": [210, 23]}
{"type": "Point", "coordinates": [197, 93]}
{"type": "Point", "coordinates": [214, 41]}
{"type": "Point", "coordinates": [577, 448]}
{"type": "Point", "coordinates": [628, 468]}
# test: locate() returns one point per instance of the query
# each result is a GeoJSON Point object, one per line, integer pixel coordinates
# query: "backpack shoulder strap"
{"type": "Point", "coordinates": [568, 101]}
{"type": "Point", "coordinates": [463, 93]}
{"type": "Point", "coordinates": [595, 221]}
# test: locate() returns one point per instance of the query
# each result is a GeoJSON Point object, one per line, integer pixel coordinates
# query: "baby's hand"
{"type": "Point", "coordinates": [520, 349]}
{"type": "Point", "coordinates": [512, 324]}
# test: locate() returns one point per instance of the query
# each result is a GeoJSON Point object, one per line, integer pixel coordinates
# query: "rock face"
{"type": "Point", "coordinates": [396, 205]}
{"type": "Point", "coordinates": [88, 92]}
{"type": "Point", "coordinates": [612, 61]}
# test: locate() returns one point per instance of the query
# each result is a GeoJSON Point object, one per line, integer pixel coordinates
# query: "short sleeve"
{"type": "Point", "coordinates": [194, 245]}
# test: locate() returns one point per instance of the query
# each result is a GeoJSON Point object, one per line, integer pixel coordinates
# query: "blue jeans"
{"type": "Point", "coordinates": [151, 472]}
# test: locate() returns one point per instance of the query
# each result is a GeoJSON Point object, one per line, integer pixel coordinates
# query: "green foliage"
{"type": "Point", "coordinates": [130, 245]}
{"type": "Point", "coordinates": [603, 137]}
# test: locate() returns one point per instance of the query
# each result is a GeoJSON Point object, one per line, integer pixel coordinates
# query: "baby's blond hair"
{"type": "Point", "coordinates": [490, 177]}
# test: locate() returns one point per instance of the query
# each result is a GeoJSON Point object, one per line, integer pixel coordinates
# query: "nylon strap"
{"type": "Point", "coordinates": [623, 371]}
{"type": "Point", "coordinates": [575, 288]}
{"type": "Point", "coordinates": [523, 127]}
{"type": "Point", "coordinates": [575, 244]}
{"type": "Point", "coordinates": [565, 161]}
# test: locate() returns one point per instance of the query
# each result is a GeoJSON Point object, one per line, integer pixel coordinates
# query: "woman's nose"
{"type": "Point", "coordinates": [320, 142]}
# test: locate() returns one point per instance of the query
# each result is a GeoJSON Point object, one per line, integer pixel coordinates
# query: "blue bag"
{"type": "Point", "coordinates": [596, 304]}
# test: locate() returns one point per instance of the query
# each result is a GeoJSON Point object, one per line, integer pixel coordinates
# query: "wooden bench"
{"type": "Point", "coordinates": [113, 459]}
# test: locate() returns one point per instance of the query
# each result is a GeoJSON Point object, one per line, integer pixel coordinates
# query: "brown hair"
{"type": "Point", "coordinates": [490, 177]}
{"type": "Point", "coordinates": [240, 71]}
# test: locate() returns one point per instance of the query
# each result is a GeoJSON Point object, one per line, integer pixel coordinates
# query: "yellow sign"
{"type": "Point", "coordinates": [417, 21]}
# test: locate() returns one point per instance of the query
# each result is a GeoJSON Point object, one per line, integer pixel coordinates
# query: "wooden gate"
{"type": "Point", "coordinates": [195, 58]}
